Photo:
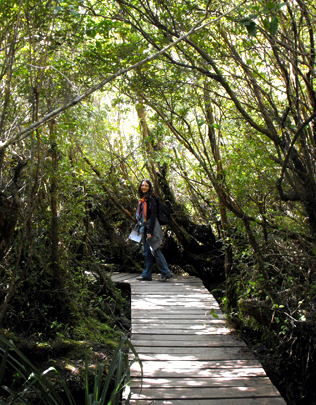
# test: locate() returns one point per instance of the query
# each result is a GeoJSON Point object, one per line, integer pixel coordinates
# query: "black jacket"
{"type": "Point", "coordinates": [152, 206]}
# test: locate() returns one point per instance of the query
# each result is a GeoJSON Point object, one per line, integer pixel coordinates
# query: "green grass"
{"type": "Point", "coordinates": [105, 390]}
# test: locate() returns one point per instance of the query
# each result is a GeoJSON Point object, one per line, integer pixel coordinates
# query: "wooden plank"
{"type": "Point", "coordinates": [210, 393]}
{"type": "Point", "coordinates": [165, 294]}
{"type": "Point", "coordinates": [186, 368]}
{"type": "Point", "coordinates": [194, 353]}
{"type": "Point", "coordinates": [172, 310]}
{"type": "Point", "coordinates": [158, 304]}
{"type": "Point", "coordinates": [182, 339]}
{"type": "Point", "coordinates": [152, 369]}
{"type": "Point", "coordinates": [139, 344]}
{"type": "Point", "coordinates": [172, 287]}
{"type": "Point", "coordinates": [200, 382]}
{"type": "Point", "coordinates": [196, 372]}
{"type": "Point", "coordinates": [170, 330]}
{"type": "Point", "coordinates": [179, 316]}
{"type": "Point", "coordinates": [121, 278]}
{"type": "Point", "coordinates": [176, 300]}
{"type": "Point", "coordinates": [178, 321]}
{"type": "Point", "coordinates": [218, 401]}
{"type": "Point", "coordinates": [173, 298]}
{"type": "Point", "coordinates": [189, 333]}
{"type": "Point", "coordinates": [188, 296]}
{"type": "Point", "coordinates": [174, 315]}
{"type": "Point", "coordinates": [174, 281]}
{"type": "Point", "coordinates": [195, 315]}
{"type": "Point", "coordinates": [166, 341]}
{"type": "Point", "coordinates": [180, 328]}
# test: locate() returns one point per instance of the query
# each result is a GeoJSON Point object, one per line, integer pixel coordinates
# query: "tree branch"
{"type": "Point", "coordinates": [27, 130]}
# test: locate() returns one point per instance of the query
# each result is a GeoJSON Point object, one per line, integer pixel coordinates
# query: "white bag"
{"type": "Point", "coordinates": [135, 235]}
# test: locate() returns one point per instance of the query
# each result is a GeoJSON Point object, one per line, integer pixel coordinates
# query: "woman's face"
{"type": "Point", "coordinates": [144, 187]}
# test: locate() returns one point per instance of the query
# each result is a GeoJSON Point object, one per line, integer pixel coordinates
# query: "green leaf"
{"type": "Point", "coordinates": [252, 29]}
{"type": "Point", "coordinates": [250, 24]}
{"type": "Point", "coordinates": [270, 5]}
{"type": "Point", "coordinates": [266, 24]}
{"type": "Point", "coordinates": [91, 33]}
{"type": "Point", "coordinates": [213, 313]}
{"type": "Point", "coordinates": [57, 9]}
{"type": "Point", "coordinates": [274, 24]}
{"type": "Point", "coordinates": [216, 126]}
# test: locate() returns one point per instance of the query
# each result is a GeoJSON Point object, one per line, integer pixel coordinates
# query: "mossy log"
{"type": "Point", "coordinates": [260, 310]}
{"type": "Point", "coordinates": [266, 315]}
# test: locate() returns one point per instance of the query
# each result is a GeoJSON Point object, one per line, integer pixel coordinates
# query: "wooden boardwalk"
{"type": "Point", "coordinates": [189, 355]}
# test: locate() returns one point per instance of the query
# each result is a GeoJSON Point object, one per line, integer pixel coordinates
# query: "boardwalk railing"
{"type": "Point", "coordinates": [189, 355]}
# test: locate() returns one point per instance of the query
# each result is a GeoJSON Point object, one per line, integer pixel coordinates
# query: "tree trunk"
{"type": "Point", "coordinates": [141, 112]}
{"type": "Point", "coordinates": [58, 297]}
{"type": "Point", "coordinates": [55, 261]}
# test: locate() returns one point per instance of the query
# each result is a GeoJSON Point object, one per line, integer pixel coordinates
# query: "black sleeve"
{"type": "Point", "coordinates": [153, 215]}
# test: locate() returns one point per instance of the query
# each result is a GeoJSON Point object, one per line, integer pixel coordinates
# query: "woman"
{"type": "Point", "coordinates": [151, 232]}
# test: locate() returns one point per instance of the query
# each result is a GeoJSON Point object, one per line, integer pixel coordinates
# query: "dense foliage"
{"type": "Point", "coordinates": [216, 103]}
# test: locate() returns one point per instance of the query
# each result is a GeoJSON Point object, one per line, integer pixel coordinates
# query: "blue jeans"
{"type": "Point", "coordinates": [149, 259]}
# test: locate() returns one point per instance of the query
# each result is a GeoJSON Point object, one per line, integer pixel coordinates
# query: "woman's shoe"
{"type": "Point", "coordinates": [165, 278]}
{"type": "Point", "coordinates": [143, 278]}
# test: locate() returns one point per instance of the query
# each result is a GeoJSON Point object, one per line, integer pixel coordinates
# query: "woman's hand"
{"type": "Point", "coordinates": [149, 236]}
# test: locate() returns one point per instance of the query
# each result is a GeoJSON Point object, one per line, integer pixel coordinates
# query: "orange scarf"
{"type": "Point", "coordinates": [141, 214]}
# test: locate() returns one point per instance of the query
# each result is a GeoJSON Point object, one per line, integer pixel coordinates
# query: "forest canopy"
{"type": "Point", "coordinates": [214, 101]}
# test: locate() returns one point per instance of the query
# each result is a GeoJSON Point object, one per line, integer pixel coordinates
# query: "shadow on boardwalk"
{"type": "Point", "coordinates": [189, 355]}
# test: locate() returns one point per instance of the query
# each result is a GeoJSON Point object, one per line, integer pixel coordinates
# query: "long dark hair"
{"type": "Point", "coordinates": [150, 191]}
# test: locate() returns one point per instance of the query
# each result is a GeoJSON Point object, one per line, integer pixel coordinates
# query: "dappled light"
{"type": "Point", "coordinates": [114, 111]}
{"type": "Point", "coordinates": [185, 352]}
